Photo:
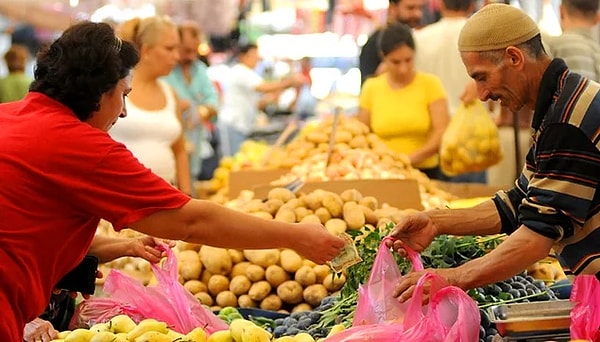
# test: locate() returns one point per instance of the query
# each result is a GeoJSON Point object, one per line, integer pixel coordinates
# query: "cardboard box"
{"type": "Point", "coordinates": [249, 179]}
{"type": "Point", "coordinates": [399, 193]}
{"type": "Point", "coordinates": [468, 190]}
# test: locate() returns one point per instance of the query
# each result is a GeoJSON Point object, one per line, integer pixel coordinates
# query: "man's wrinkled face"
{"type": "Point", "coordinates": [409, 12]}
{"type": "Point", "coordinates": [495, 81]}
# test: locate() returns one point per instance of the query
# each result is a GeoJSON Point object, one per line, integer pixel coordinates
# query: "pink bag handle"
{"type": "Point", "coordinates": [414, 257]}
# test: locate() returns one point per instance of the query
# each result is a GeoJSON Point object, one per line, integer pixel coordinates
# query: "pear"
{"type": "Point", "coordinates": [304, 337]}
{"type": "Point", "coordinates": [237, 326]}
{"type": "Point", "coordinates": [336, 329]}
{"type": "Point", "coordinates": [255, 334]}
{"type": "Point", "coordinates": [285, 339]}
{"type": "Point", "coordinates": [220, 336]}
{"type": "Point", "coordinates": [148, 324]}
{"type": "Point", "coordinates": [121, 324]}
{"type": "Point", "coordinates": [153, 336]}
{"type": "Point", "coordinates": [196, 335]}
{"type": "Point", "coordinates": [79, 335]}
{"type": "Point", "coordinates": [63, 334]}
{"type": "Point", "coordinates": [103, 336]}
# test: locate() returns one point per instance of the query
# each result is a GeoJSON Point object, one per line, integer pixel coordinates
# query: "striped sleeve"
{"type": "Point", "coordinates": [564, 183]}
{"type": "Point", "coordinates": [507, 202]}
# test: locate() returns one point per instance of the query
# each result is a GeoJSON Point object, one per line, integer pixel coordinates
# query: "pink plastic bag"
{"type": "Point", "coordinates": [168, 301]}
{"type": "Point", "coordinates": [585, 314]}
{"type": "Point", "coordinates": [450, 316]}
{"type": "Point", "coordinates": [98, 310]}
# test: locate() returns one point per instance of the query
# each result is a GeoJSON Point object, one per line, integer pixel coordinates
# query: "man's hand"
{"type": "Point", "coordinates": [39, 330]}
{"type": "Point", "coordinates": [405, 289]}
{"type": "Point", "coordinates": [415, 230]}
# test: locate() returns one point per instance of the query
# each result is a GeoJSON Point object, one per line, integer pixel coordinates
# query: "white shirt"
{"type": "Point", "coordinates": [437, 53]}
{"type": "Point", "coordinates": [149, 134]}
{"type": "Point", "coordinates": [240, 99]}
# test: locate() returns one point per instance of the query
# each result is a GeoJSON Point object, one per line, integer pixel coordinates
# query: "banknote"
{"type": "Point", "coordinates": [348, 255]}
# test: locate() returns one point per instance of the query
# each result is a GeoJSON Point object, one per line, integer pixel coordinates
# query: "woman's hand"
{"type": "Point", "coordinates": [317, 244]}
{"type": "Point", "coordinates": [145, 247]}
{"type": "Point", "coordinates": [39, 330]}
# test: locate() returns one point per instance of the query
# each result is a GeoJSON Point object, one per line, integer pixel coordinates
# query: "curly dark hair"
{"type": "Point", "coordinates": [395, 36]}
{"type": "Point", "coordinates": [86, 61]}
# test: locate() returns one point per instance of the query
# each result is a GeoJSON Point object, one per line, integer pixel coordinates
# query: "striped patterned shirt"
{"type": "Point", "coordinates": [556, 194]}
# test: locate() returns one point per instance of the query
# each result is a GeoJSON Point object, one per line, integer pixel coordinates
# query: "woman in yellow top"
{"type": "Point", "coordinates": [404, 107]}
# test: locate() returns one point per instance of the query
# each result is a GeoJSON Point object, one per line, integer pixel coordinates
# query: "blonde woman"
{"type": "Point", "coordinates": [153, 129]}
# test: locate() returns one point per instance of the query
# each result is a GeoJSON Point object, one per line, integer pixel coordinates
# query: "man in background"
{"type": "Point", "coordinates": [15, 85]}
{"type": "Point", "coordinates": [577, 45]}
{"type": "Point", "coordinates": [409, 12]}
{"type": "Point", "coordinates": [200, 102]}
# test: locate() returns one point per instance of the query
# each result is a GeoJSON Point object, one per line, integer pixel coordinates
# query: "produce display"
{"type": "Point", "coordinates": [357, 154]}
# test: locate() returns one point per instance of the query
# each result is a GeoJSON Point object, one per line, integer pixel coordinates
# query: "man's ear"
{"type": "Point", "coordinates": [514, 57]}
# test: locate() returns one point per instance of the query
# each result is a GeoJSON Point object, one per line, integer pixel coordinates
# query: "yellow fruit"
{"type": "Point", "coordinates": [336, 329]}
{"type": "Point", "coordinates": [236, 327]}
{"type": "Point", "coordinates": [146, 325]}
{"type": "Point", "coordinates": [121, 337]}
{"type": "Point", "coordinates": [153, 336]}
{"type": "Point", "coordinates": [254, 333]}
{"type": "Point", "coordinates": [121, 324]}
{"type": "Point", "coordinates": [99, 327]}
{"type": "Point", "coordinates": [174, 334]}
{"type": "Point", "coordinates": [196, 335]}
{"type": "Point", "coordinates": [103, 336]}
{"type": "Point", "coordinates": [79, 335]}
{"type": "Point", "coordinates": [304, 337]}
{"type": "Point", "coordinates": [58, 340]}
{"type": "Point", "coordinates": [220, 336]}
{"type": "Point", "coordinates": [63, 334]}
{"type": "Point", "coordinates": [284, 339]}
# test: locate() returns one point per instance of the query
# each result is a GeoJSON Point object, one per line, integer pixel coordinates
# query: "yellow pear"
{"type": "Point", "coordinates": [253, 333]}
{"type": "Point", "coordinates": [336, 329]}
{"type": "Point", "coordinates": [99, 327]}
{"type": "Point", "coordinates": [220, 336]}
{"type": "Point", "coordinates": [196, 335]}
{"type": "Point", "coordinates": [121, 337]}
{"type": "Point", "coordinates": [63, 334]}
{"type": "Point", "coordinates": [79, 335]}
{"type": "Point", "coordinates": [304, 337]}
{"type": "Point", "coordinates": [58, 340]}
{"type": "Point", "coordinates": [153, 336]}
{"type": "Point", "coordinates": [174, 334]}
{"type": "Point", "coordinates": [285, 339]}
{"type": "Point", "coordinates": [149, 324]}
{"type": "Point", "coordinates": [237, 326]}
{"type": "Point", "coordinates": [103, 336]}
{"type": "Point", "coordinates": [121, 324]}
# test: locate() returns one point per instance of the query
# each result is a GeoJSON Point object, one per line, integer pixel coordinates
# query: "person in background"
{"type": "Point", "coordinates": [245, 94]}
{"type": "Point", "coordinates": [554, 203]}
{"type": "Point", "coordinates": [15, 85]}
{"type": "Point", "coordinates": [577, 45]}
{"type": "Point", "coordinates": [304, 103]}
{"type": "Point", "coordinates": [436, 53]}
{"type": "Point", "coordinates": [409, 12]}
{"type": "Point", "coordinates": [200, 102]}
{"type": "Point", "coordinates": [79, 175]}
{"type": "Point", "coordinates": [404, 107]}
{"type": "Point", "coordinates": [58, 314]}
{"type": "Point", "coordinates": [154, 130]}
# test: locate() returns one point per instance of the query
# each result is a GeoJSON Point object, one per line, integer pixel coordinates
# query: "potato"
{"type": "Point", "coordinates": [215, 308]}
{"type": "Point", "coordinates": [312, 201]}
{"type": "Point", "coordinates": [294, 203]}
{"type": "Point", "coordinates": [271, 302]}
{"type": "Point", "coordinates": [311, 218]}
{"type": "Point", "coordinates": [323, 214]}
{"type": "Point", "coordinates": [226, 298]}
{"type": "Point", "coordinates": [236, 256]}
{"type": "Point", "coordinates": [218, 283]}
{"type": "Point", "coordinates": [239, 285]}
{"type": "Point", "coordinates": [359, 142]}
{"type": "Point", "coordinates": [286, 214]}
{"type": "Point", "coordinates": [263, 215]}
{"type": "Point", "coordinates": [333, 282]}
{"type": "Point", "coordinates": [204, 298]}
{"type": "Point", "coordinates": [343, 136]}
{"type": "Point", "coordinates": [317, 137]}
{"type": "Point", "coordinates": [255, 205]}
{"type": "Point", "coordinates": [184, 246]}
{"type": "Point", "coordinates": [290, 260]}
{"type": "Point", "coordinates": [321, 271]}
{"type": "Point", "coordinates": [336, 226]}
{"type": "Point", "coordinates": [301, 212]}
{"type": "Point", "coordinates": [308, 263]}
{"type": "Point", "coordinates": [305, 276]}
{"type": "Point", "coordinates": [216, 260]}
{"type": "Point", "coordinates": [314, 294]}
{"type": "Point", "coordinates": [351, 195]}
{"type": "Point", "coordinates": [262, 257]}
{"type": "Point", "coordinates": [205, 277]}
{"type": "Point", "coordinates": [369, 202]}
{"type": "Point", "coordinates": [353, 215]}
{"type": "Point", "coordinates": [239, 268]}
{"type": "Point", "coordinates": [290, 292]}
{"type": "Point", "coordinates": [273, 205]}
{"type": "Point", "coordinates": [302, 307]}
{"type": "Point", "coordinates": [333, 203]}
{"type": "Point", "coordinates": [281, 194]}
{"type": "Point", "coordinates": [276, 275]}
{"type": "Point", "coordinates": [255, 273]}
{"type": "Point", "coordinates": [195, 286]}
{"type": "Point", "coordinates": [244, 301]}
{"type": "Point", "coordinates": [370, 216]}
{"type": "Point", "coordinates": [259, 290]}
{"type": "Point", "coordinates": [189, 264]}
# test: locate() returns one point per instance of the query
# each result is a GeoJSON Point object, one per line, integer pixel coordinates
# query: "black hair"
{"type": "Point", "coordinates": [458, 5]}
{"type": "Point", "coordinates": [86, 61]}
{"type": "Point", "coordinates": [394, 36]}
{"type": "Point", "coordinates": [243, 49]}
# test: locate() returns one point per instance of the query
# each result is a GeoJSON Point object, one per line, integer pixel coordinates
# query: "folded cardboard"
{"type": "Point", "coordinates": [248, 179]}
{"type": "Point", "coordinates": [399, 193]}
{"type": "Point", "coordinates": [468, 190]}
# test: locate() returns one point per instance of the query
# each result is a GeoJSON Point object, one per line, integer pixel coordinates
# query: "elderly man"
{"type": "Point", "coordinates": [554, 203]}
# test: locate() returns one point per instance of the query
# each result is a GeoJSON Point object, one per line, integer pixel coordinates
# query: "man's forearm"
{"type": "Point", "coordinates": [482, 219]}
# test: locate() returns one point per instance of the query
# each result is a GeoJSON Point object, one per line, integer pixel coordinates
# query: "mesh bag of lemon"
{"type": "Point", "coordinates": [470, 143]}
